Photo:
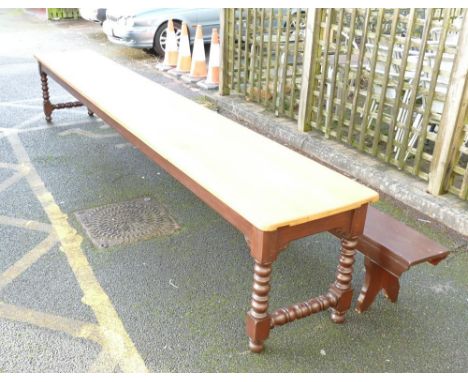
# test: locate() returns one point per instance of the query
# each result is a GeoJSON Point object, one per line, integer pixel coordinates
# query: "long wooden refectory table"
{"type": "Point", "coordinates": [272, 194]}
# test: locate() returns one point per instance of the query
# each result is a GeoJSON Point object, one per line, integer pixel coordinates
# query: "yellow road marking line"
{"type": "Point", "coordinates": [27, 101]}
{"type": "Point", "coordinates": [11, 104]}
{"type": "Point", "coordinates": [27, 260]}
{"type": "Point", "coordinates": [23, 100]}
{"type": "Point", "coordinates": [7, 183]}
{"type": "Point", "coordinates": [32, 119]}
{"type": "Point", "coordinates": [75, 328]}
{"type": "Point", "coordinates": [114, 336]}
{"type": "Point", "coordinates": [14, 166]}
{"type": "Point", "coordinates": [28, 224]}
{"type": "Point", "coordinates": [104, 363]}
{"type": "Point", "coordinates": [35, 107]}
{"type": "Point", "coordinates": [13, 130]}
{"type": "Point", "coordinates": [86, 133]}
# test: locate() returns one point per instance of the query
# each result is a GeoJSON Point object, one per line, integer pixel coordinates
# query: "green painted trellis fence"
{"type": "Point", "coordinates": [389, 82]}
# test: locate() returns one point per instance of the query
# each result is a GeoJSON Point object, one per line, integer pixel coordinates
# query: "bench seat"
{"type": "Point", "coordinates": [390, 248]}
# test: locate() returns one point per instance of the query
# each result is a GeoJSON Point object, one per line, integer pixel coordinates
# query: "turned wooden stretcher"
{"type": "Point", "coordinates": [272, 194]}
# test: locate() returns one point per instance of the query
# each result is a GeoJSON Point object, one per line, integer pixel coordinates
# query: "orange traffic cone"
{"type": "Point", "coordinates": [212, 80]}
{"type": "Point", "coordinates": [184, 60]}
{"type": "Point", "coordinates": [198, 69]}
{"type": "Point", "coordinates": [170, 56]}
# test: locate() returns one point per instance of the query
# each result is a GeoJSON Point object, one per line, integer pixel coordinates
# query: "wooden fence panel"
{"type": "Point", "coordinates": [379, 81]}
{"type": "Point", "coordinates": [452, 121]}
{"type": "Point", "coordinates": [375, 79]}
{"type": "Point", "coordinates": [265, 52]}
{"type": "Point", "coordinates": [457, 182]}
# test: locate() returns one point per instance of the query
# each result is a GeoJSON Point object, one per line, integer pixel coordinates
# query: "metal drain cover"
{"type": "Point", "coordinates": [127, 222]}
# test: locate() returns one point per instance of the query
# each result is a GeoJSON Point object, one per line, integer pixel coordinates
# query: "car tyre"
{"type": "Point", "coordinates": [159, 44]}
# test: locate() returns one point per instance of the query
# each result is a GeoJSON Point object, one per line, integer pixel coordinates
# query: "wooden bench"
{"type": "Point", "coordinates": [272, 194]}
{"type": "Point", "coordinates": [391, 248]}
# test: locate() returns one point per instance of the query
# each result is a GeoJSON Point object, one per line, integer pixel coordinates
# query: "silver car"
{"type": "Point", "coordinates": [147, 28]}
{"type": "Point", "coordinates": [98, 15]}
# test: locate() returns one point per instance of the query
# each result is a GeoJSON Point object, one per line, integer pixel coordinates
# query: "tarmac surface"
{"type": "Point", "coordinates": [174, 303]}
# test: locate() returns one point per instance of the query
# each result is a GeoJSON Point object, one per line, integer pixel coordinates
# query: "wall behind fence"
{"type": "Point", "coordinates": [377, 79]}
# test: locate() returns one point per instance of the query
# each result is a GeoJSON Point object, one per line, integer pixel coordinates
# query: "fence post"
{"type": "Point", "coordinates": [312, 32]}
{"type": "Point", "coordinates": [453, 116]}
{"type": "Point", "coordinates": [224, 46]}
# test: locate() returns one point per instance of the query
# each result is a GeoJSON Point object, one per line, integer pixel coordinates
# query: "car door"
{"type": "Point", "coordinates": [208, 18]}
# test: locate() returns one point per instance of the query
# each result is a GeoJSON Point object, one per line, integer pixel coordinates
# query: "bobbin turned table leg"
{"type": "Point", "coordinates": [342, 287]}
{"type": "Point", "coordinates": [258, 320]}
{"type": "Point", "coordinates": [48, 107]}
{"type": "Point", "coordinates": [264, 249]}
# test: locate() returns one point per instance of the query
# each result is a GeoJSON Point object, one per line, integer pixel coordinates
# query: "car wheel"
{"type": "Point", "coordinates": [159, 45]}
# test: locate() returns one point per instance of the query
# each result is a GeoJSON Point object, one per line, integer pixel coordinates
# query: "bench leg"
{"type": "Point", "coordinates": [258, 320]}
{"type": "Point", "coordinates": [391, 287]}
{"type": "Point", "coordinates": [375, 280]}
{"type": "Point", "coordinates": [342, 287]}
